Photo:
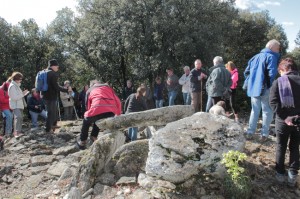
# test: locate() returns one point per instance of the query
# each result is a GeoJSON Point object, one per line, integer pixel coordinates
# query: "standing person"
{"type": "Point", "coordinates": [172, 86]}
{"type": "Point", "coordinates": [4, 107]}
{"type": "Point", "coordinates": [75, 96]}
{"type": "Point", "coordinates": [185, 82]}
{"type": "Point", "coordinates": [158, 92]}
{"type": "Point", "coordinates": [135, 103]}
{"type": "Point", "coordinates": [82, 100]}
{"type": "Point", "coordinates": [219, 81]}
{"type": "Point", "coordinates": [148, 96]}
{"type": "Point", "coordinates": [67, 102]}
{"type": "Point", "coordinates": [209, 102]}
{"type": "Point", "coordinates": [17, 102]}
{"type": "Point", "coordinates": [230, 66]}
{"type": "Point", "coordinates": [36, 107]}
{"type": "Point", "coordinates": [102, 102]}
{"type": "Point", "coordinates": [196, 77]}
{"type": "Point", "coordinates": [50, 96]}
{"type": "Point", "coordinates": [128, 90]}
{"type": "Point", "coordinates": [285, 102]}
{"type": "Point", "coordinates": [260, 74]}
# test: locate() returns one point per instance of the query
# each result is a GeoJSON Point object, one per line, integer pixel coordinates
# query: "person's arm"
{"type": "Point", "coordinates": [14, 94]}
{"type": "Point", "coordinates": [272, 68]}
{"type": "Point", "coordinates": [54, 84]}
{"type": "Point", "coordinates": [182, 80]}
{"type": "Point", "coordinates": [274, 98]}
{"type": "Point", "coordinates": [126, 103]}
{"type": "Point", "coordinates": [31, 104]}
{"type": "Point", "coordinates": [64, 96]}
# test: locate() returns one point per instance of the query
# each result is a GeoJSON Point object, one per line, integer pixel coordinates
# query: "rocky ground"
{"type": "Point", "coordinates": [34, 167]}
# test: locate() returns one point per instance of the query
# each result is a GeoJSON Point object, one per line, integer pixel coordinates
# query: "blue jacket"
{"type": "Point", "coordinates": [261, 72]}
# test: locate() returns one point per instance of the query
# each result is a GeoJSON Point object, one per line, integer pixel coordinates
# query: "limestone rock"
{"type": "Point", "coordinates": [65, 150]}
{"type": "Point", "coordinates": [57, 169]}
{"type": "Point", "coordinates": [73, 194]}
{"type": "Point", "coordinates": [183, 148]}
{"type": "Point", "coordinates": [131, 158]}
{"type": "Point", "coordinates": [153, 117]}
{"type": "Point", "coordinates": [41, 160]}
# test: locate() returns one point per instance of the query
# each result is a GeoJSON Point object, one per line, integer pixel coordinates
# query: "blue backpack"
{"type": "Point", "coordinates": [41, 80]}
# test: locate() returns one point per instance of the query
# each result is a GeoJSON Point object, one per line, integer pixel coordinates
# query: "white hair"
{"type": "Point", "coordinates": [186, 68]}
{"type": "Point", "coordinates": [218, 60]}
{"type": "Point", "coordinates": [93, 82]}
{"type": "Point", "coordinates": [272, 43]}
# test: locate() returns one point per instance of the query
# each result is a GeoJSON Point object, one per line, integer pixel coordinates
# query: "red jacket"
{"type": "Point", "coordinates": [4, 98]}
{"type": "Point", "coordinates": [102, 99]}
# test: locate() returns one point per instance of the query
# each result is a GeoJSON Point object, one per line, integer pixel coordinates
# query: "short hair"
{"type": "Point", "coordinates": [186, 68]}
{"type": "Point", "coordinates": [158, 79]}
{"type": "Point", "coordinates": [218, 60]}
{"type": "Point", "coordinates": [33, 90]}
{"type": "Point", "coordinates": [231, 65]}
{"type": "Point", "coordinates": [272, 43]}
{"type": "Point", "coordinates": [287, 64]}
{"type": "Point", "coordinates": [221, 103]}
{"type": "Point", "coordinates": [16, 76]}
{"type": "Point", "coordinates": [170, 69]}
{"type": "Point", "coordinates": [66, 82]}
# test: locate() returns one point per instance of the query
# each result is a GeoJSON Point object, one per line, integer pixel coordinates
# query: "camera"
{"type": "Point", "coordinates": [296, 121]}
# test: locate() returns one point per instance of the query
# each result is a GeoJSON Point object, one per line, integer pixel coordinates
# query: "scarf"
{"type": "Point", "coordinates": [285, 92]}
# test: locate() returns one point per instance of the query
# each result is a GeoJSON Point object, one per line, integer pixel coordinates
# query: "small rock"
{"type": "Point", "coordinates": [126, 180]}
{"type": "Point", "coordinates": [88, 192]}
{"type": "Point", "coordinates": [56, 191]}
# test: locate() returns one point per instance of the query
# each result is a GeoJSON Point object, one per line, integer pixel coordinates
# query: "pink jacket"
{"type": "Point", "coordinates": [234, 78]}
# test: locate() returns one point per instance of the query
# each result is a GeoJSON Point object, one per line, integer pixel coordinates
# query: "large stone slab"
{"type": "Point", "coordinates": [153, 117]}
{"type": "Point", "coordinates": [187, 146]}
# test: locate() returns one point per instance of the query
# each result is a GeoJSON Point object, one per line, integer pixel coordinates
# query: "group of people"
{"type": "Point", "coordinates": [268, 95]}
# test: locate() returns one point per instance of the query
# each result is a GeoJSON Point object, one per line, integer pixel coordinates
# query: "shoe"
{"type": "Point", "coordinates": [292, 179]}
{"type": "Point", "coordinates": [249, 136]}
{"type": "Point", "coordinates": [280, 178]}
{"type": "Point", "coordinates": [17, 134]}
{"type": "Point", "coordinates": [80, 145]}
{"type": "Point", "coordinates": [263, 138]}
{"type": "Point", "coordinates": [272, 133]}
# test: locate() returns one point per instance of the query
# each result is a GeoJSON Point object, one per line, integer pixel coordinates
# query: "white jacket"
{"type": "Point", "coordinates": [66, 99]}
{"type": "Point", "coordinates": [185, 82]}
{"type": "Point", "coordinates": [16, 97]}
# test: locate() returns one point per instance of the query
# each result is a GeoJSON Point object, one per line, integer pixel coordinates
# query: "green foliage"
{"type": "Point", "coordinates": [237, 184]}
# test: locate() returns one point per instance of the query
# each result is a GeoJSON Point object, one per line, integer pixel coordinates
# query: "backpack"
{"type": "Point", "coordinates": [41, 80]}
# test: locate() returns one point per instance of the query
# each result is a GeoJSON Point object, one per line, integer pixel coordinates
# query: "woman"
{"type": "Point", "coordinates": [82, 100]}
{"type": "Point", "coordinates": [36, 107]}
{"type": "Point", "coordinates": [230, 66]}
{"type": "Point", "coordinates": [17, 101]}
{"type": "Point", "coordinates": [285, 102]}
{"type": "Point", "coordinates": [67, 102]}
{"type": "Point", "coordinates": [4, 107]}
{"type": "Point", "coordinates": [135, 103]}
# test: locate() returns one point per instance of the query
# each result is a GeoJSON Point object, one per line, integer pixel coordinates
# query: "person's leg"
{"type": "Point", "coordinates": [267, 114]}
{"type": "Point", "coordinates": [157, 103]}
{"type": "Point", "coordinates": [51, 114]}
{"type": "Point", "coordinates": [71, 112]}
{"type": "Point", "coordinates": [8, 121]}
{"type": "Point", "coordinates": [199, 99]}
{"type": "Point", "coordinates": [87, 121]}
{"type": "Point", "coordinates": [34, 118]}
{"type": "Point", "coordinates": [188, 99]}
{"type": "Point", "coordinates": [95, 130]}
{"type": "Point", "coordinates": [43, 114]}
{"type": "Point", "coordinates": [215, 100]}
{"type": "Point", "coordinates": [281, 145]}
{"type": "Point", "coordinates": [18, 120]}
{"type": "Point", "coordinates": [195, 101]}
{"type": "Point", "coordinates": [130, 131]}
{"type": "Point", "coordinates": [172, 97]}
{"type": "Point", "coordinates": [184, 96]}
{"type": "Point", "coordinates": [294, 151]}
{"type": "Point", "coordinates": [134, 133]}
{"type": "Point", "coordinates": [208, 104]}
{"type": "Point", "coordinates": [161, 103]}
{"type": "Point", "coordinates": [256, 107]}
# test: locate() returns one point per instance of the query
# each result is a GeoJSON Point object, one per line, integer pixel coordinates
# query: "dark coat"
{"type": "Point", "coordinates": [32, 102]}
{"type": "Point", "coordinates": [135, 105]}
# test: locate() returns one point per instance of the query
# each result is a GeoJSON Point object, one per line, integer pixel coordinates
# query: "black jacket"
{"type": "Point", "coordinates": [283, 113]}
{"type": "Point", "coordinates": [195, 83]}
{"type": "Point", "coordinates": [32, 102]}
{"type": "Point", "coordinates": [134, 105]}
{"type": "Point", "coordinates": [53, 87]}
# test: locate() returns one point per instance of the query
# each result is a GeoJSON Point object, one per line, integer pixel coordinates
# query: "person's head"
{"type": "Point", "coordinates": [273, 45]}
{"type": "Point", "coordinates": [218, 60]}
{"type": "Point", "coordinates": [230, 66]}
{"type": "Point", "coordinates": [53, 64]}
{"type": "Point", "coordinates": [169, 71]}
{"type": "Point", "coordinates": [128, 83]}
{"type": "Point", "coordinates": [158, 80]}
{"type": "Point", "coordinates": [16, 76]}
{"type": "Point", "coordinates": [93, 82]}
{"type": "Point", "coordinates": [198, 64]}
{"type": "Point", "coordinates": [86, 87]}
{"type": "Point", "coordinates": [34, 92]}
{"type": "Point", "coordinates": [141, 91]}
{"type": "Point", "coordinates": [222, 104]}
{"type": "Point", "coordinates": [286, 65]}
{"type": "Point", "coordinates": [186, 70]}
{"type": "Point", "coordinates": [67, 83]}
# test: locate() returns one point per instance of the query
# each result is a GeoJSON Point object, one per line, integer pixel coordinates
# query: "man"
{"type": "Point", "coordinates": [50, 96]}
{"type": "Point", "coordinates": [101, 102]}
{"type": "Point", "coordinates": [219, 81]}
{"type": "Point", "coordinates": [67, 102]}
{"type": "Point", "coordinates": [196, 77]}
{"type": "Point", "coordinates": [259, 74]}
{"type": "Point", "coordinates": [172, 86]}
{"type": "Point", "coordinates": [185, 82]}
{"type": "Point", "coordinates": [128, 90]}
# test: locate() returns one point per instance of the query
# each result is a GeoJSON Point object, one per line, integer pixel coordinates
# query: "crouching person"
{"type": "Point", "coordinates": [36, 107]}
{"type": "Point", "coordinates": [101, 102]}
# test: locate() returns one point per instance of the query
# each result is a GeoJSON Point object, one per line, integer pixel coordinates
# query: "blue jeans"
{"type": "Point", "coordinates": [34, 117]}
{"type": "Point", "coordinates": [159, 103]}
{"type": "Point", "coordinates": [258, 104]}
{"type": "Point", "coordinates": [172, 96]}
{"type": "Point", "coordinates": [209, 104]}
{"type": "Point", "coordinates": [132, 133]}
{"type": "Point", "coordinates": [8, 121]}
{"type": "Point", "coordinates": [186, 98]}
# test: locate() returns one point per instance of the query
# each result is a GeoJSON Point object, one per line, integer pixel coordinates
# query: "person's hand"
{"type": "Point", "coordinates": [289, 120]}
{"type": "Point", "coordinates": [36, 107]}
{"type": "Point", "coordinates": [25, 92]}
{"type": "Point", "coordinates": [70, 89]}
{"type": "Point", "coordinates": [203, 76]}
{"type": "Point", "coordinates": [168, 81]}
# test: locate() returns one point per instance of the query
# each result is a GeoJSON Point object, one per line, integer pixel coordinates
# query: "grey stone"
{"type": "Point", "coordinates": [187, 146]}
{"type": "Point", "coordinates": [98, 189]}
{"type": "Point", "coordinates": [74, 193]}
{"type": "Point", "coordinates": [57, 169]}
{"type": "Point", "coordinates": [33, 181]}
{"type": "Point", "coordinates": [65, 150]}
{"type": "Point", "coordinates": [38, 169]}
{"type": "Point", "coordinates": [20, 147]}
{"type": "Point", "coordinates": [6, 170]}
{"type": "Point", "coordinates": [140, 194]}
{"type": "Point", "coordinates": [107, 179]}
{"type": "Point", "coordinates": [41, 160]}
{"type": "Point", "coordinates": [88, 193]}
{"type": "Point", "coordinates": [126, 180]}
{"type": "Point", "coordinates": [67, 173]}
{"type": "Point", "coordinates": [65, 136]}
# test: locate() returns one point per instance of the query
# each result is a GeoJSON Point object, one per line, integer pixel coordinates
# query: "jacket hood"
{"type": "Point", "coordinates": [267, 50]}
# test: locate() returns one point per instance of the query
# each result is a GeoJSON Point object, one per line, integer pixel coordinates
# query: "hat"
{"type": "Point", "coordinates": [52, 62]}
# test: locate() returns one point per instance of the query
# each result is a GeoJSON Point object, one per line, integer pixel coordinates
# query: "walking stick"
{"type": "Point", "coordinates": [58, 110]}
{"type": "Point", "coordinates": [77, 118]}
{"type": "Point", "coordinates": [201, 96]}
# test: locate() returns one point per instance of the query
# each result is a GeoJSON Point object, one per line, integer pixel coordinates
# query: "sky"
{"type": "Point", "coordinates": [285, 12]}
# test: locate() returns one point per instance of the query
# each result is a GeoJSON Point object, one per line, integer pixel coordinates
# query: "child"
{"type": "Point", "coordinates": [218, 109]}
